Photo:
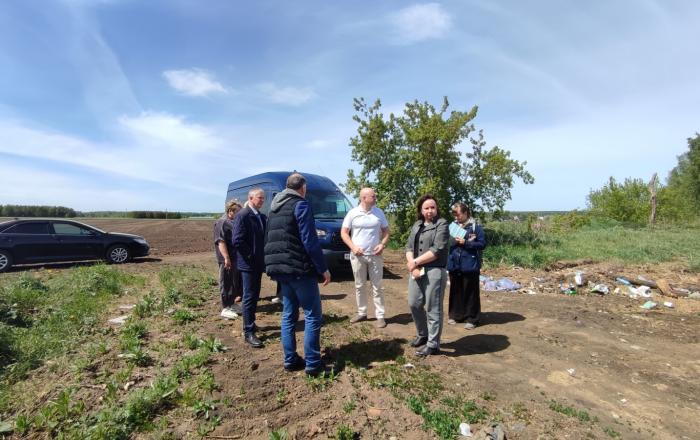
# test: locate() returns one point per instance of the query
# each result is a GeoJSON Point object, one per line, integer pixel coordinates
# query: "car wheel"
{"type": "Point", "coordinates": [5, 261]}
{"type": "Point", "coordinates": [118, 254]}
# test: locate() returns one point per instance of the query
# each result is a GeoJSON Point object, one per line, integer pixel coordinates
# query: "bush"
{"type": "Point", "coordinates": [628, 202]}
{"type": "Point", "coordinates": [571, 221]}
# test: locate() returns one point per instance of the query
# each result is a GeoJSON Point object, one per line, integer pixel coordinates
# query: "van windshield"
{"type": "Point", "coordinates": [327, 205]}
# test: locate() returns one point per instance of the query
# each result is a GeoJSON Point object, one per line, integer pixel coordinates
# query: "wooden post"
{"type": "Point", "coordinates": [652, 191]}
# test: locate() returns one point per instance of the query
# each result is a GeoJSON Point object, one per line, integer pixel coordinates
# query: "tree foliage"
{"type": "Point", "coordinates": [682, 191]}
{"type": "Point", "coordinates": [627, 202]}
{"type": "Point", "coordinates": [418, 152]}
{"type": "Point", "coordinates": [36, 211]}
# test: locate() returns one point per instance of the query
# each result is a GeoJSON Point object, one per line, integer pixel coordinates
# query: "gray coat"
{"type": "Point", "coordinates": [434, 238]}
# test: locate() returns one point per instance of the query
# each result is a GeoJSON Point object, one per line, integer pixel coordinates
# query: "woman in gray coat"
{"type": "Point", "coordinates": [426, 258]}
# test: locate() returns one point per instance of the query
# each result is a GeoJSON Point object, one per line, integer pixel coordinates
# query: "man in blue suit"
{"type": "Point", "coordinates": [248, 240]}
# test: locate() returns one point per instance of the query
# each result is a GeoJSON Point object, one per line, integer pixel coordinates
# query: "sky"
{"type": "Point", "coordinates": [158, 105]}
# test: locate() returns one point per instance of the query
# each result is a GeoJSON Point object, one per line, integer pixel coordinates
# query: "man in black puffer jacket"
{"type": "Point", "coordinates": [294, 259]}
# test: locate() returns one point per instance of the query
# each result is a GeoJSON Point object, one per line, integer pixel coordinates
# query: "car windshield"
{"type": "Point", "coordinates": [328, 205]}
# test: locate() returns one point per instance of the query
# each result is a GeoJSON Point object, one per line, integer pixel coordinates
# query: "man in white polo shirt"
{"type": "Point", "coordinates": [370, 233]}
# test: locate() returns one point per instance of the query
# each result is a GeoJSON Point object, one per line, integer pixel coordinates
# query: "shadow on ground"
{"type": "Point", "coordinates": [475, 344]}
{"type": "Point", "coordinates": [489, 318]}
{"type": "Point", "coordinates": [364, 353]}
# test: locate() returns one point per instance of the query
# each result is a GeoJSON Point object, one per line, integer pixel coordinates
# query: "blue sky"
{"type": "Point", "coordinates": [125, 104]}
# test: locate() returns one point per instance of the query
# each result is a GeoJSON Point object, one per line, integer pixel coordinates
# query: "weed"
{"type": "Point", "coordinates": [213, 344]}
{"type": "Point", "coordinates": [488, 396]}
{"type": "Point", "coordinates": [344, 432]}
{"type": "Point", "coordinates": [145, 307]}
{"type": "Point", "coordinates": [191, 341]}
{"type": "Point", "coordinates": [183, 316]}
{"type": "Point", "coordinates": [521, 412]}
{"type": "Point", "coordinates": [350, 405]}
{"type": "Point", "coordinates": [207, 382]}
{"type": "Point", "coordinates": [571, 412]}
{"type": "Point", "coordinates": [208, 426]}
{"type": "Point", "coordinates": [322, 381]}
{"type": "Point", "coordinates": [278, 434]}
{"type": "Point", "coordinates": [612, 433]}
{"type": "Point", "coordinates": [281, 395]}
{"type": "Point", "coordinates": [202, 408]}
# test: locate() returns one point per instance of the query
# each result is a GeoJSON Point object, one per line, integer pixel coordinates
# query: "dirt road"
{"type": "Point", "coordinates": [637, 371]}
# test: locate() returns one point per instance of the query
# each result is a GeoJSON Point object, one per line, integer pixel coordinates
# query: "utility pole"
{"type": "Point", "coordinates": [652, 191]}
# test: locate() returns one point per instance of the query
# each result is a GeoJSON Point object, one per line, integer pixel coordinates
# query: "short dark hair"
{"type": "Point", "coordinates": [296, 181]}
{"type": "Point", "coordinates": [419, 205]}
{"type": "Point", "coordinates": [462, 207]}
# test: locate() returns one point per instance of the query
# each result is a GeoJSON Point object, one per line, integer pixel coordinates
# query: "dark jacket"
{"type": "Point", "coordinates": [467, 258]}
{"type": "Point", "coordinates": [248, 240]}
{"type": "Point", "coordinates": [291, 241]}
{"type": "Point", "coordinates": [432, 237]}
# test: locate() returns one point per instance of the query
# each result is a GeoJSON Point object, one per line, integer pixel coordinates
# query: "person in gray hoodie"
{"type": "Point", "coordinates": [293, 258]}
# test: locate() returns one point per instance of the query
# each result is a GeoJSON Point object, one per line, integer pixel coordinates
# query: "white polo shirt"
{"type": "Point", "coordinates": [366, 227]}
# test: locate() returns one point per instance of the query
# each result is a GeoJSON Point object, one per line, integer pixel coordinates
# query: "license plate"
{"type": "Point", "coordinates": [346, 256]}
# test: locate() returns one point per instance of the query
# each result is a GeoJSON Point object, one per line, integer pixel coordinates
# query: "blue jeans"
{"type": "Point", "coordinates": [251, 294]}
{"type": "Point", "coordinates": [303, 292]}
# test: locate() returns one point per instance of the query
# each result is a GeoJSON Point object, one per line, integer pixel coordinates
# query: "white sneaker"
{"type": "Point", "coordinates": [228, 313]}
{"type": "Point", "coordinates": [275, 300]}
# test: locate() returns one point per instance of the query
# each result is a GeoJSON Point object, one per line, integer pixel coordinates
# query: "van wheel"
{"type": "Point", "coordinates": [118, 254]}
{"type": "Point", "coordinates": [5, 260]}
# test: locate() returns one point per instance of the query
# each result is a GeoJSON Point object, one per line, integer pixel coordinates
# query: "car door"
{"type": "Point", "coordinates": [76, 242]}
{"type": "Point", "coordinates": [30, 242]}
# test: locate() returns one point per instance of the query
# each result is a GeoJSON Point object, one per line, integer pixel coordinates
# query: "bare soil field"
{"type": "Point", "coordinates": [537, 363]}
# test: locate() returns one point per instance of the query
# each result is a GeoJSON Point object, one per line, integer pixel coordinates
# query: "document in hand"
{"type": "Point", "coordinates": [457, 231]}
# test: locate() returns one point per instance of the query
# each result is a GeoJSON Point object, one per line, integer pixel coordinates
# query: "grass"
{"type": "Point", "coordinates": [582, 415]}
{"type": "Point", "coordinates": [46, 315]}
{"type": "Point", "coordinates": [514, 244]}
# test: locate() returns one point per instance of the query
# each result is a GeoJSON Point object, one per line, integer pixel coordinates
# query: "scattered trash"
{"type": "Point", "coordinates": [694, 295]}
{"type": "Point", "coordinates": [465, 430]}
{"type": "Point", "coordinates": [119, 320]}
{"type": "Point", "coordinates": [617, 290]}
{"type": "Point", "coordinates": [493, 432]}
{"type": "Point", "coordinates": [623, 281]}
{"type": "Point", "coordinates": [530, 292]}
{"type": "Point", "coordinates": [571, 371]}
{"type": "Point", "coordinates": [502, 284]}
{"type": "Point", "coordinates": [668, 304]}
{"type": "Point", "coordinates": [127, 307]}
{"type": "Point", "coordinates": [648, 305]}
{"type": "Point", "coordinates": [600, 288]}
{"type": "Point", "coordinates": [623, 400]}
{"type": "Point", "coordinates": [579, 278]}
{"type": "Point", "coordinates": [409, 365]}
{"type": "Point", "coordinates": [6, 427]}
{"type": "Point", "coordinates": [567, 289]}
{"type": "Point", "coordinates": [643, 291]}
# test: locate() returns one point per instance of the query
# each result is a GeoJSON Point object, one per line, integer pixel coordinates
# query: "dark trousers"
{"type": "Point", "coordinates": [465, 304]}
{"type": "Point", "coordinates": [229, 285]}
{"type": "Point", "coordinates": [251, 294]}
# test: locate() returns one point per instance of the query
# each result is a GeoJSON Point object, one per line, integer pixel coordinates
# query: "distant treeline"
{"type": "Point", "coordinates": [63, 212]}
{"type": "Point", "coordinates": [36, 211]}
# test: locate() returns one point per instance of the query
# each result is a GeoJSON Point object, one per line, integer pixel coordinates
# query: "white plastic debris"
{"type": "Point", "coordinates": [648, 305]}
{"type": "Point", "coordinates": [668, 304]}
{"type": "Point", "coordinates": [119, 320]}
{"type": "Point", "coordinates": [571, 371]}
{"type": "Point", "coordinates": [465, 430]}
{"type": "Point", "coordinates": [578, 277]}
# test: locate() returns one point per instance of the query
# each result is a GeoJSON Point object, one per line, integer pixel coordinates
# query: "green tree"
{"type": "Point", "coordinates": [627, 202]}
{"type": "Point", "coordinates": [682, 190]}
{"type": "Point", "coordinates": [417, 152]}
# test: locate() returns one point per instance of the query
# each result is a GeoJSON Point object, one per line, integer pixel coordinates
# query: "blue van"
{"type": "Point", "coordinates": [328, 203]}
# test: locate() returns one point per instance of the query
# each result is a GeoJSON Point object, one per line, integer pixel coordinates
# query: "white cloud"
{"type": "Point", "coordinates": [293, 96]}
{"type": "Point", "coordinates": [194, 82]}
{"type": "Point", "coordinates": [421, 22]}
{"type": "Point", "coordinates": [171, 131]}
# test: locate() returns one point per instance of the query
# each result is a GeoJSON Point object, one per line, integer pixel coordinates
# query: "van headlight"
{"type": "Point", "coordinates": [321, 233]}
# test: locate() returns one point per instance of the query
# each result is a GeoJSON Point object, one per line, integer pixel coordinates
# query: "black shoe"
{"type": "Point", "coordinates": [427, 351]}
{"type": "Point", "coordinates": [253, 340]}
{"type": "Point", "coordinates": [316, 372]}
{"type": "Point", "coordinates": [237, 308]}
{"type": "Point", "coordinates": [419, 341]}
{"type": "Point", "coordinates": [297, 365]}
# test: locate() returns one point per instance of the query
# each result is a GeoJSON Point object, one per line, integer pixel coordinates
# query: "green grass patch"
{"type": "Point", "coordinates": [515, 244]}
{"type": "Point", "coordinates": [571, 412]}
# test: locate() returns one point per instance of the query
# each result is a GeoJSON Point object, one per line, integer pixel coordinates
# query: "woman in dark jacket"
{"type": "Point", "coordinates": [426, 257]}
{"type": "Point", "coordinates": [464, 265]}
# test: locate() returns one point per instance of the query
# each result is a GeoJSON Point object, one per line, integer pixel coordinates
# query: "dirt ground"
{"type": "Point", "coordinates": [637, 371]}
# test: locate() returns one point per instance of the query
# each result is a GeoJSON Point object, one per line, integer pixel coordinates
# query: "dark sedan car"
{"type": "Point", "coordinates": [47, 240]}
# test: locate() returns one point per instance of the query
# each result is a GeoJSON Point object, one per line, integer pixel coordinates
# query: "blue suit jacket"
{"type": "Point", "coordinates": [249, 240]}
